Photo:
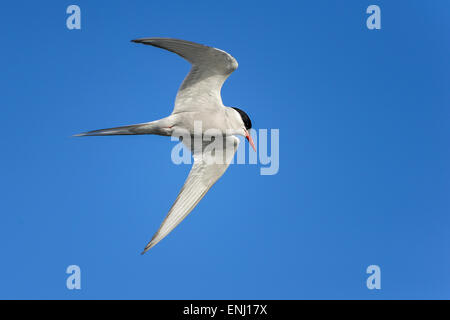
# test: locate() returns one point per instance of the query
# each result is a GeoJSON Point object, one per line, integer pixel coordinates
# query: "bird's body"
{"type": "Point", "coordinates": [200, 114]}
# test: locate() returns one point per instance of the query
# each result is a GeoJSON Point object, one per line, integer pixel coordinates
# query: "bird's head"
{"type": "Point", "coordinates": [246, 125]}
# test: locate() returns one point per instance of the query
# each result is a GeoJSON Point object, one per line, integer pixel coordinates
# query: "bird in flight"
{"type": "Point", "coordinates": [198, 100]}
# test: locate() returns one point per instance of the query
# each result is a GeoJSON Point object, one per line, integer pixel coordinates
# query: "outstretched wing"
{"type": "Point", "coordinates": [209, 166]}
{"type": "Point", "coordinates": [200, 89]}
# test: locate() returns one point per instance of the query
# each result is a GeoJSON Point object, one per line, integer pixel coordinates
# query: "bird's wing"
{"type": "Point", "coordinates": [208, 167]}
{"type": "Point", "coordinates": [200, 89]}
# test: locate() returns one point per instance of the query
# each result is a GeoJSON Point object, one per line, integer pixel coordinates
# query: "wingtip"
{"type": "Point", "coordinates": [79, 135]}
{"type": "Point", "coordinates": [149, 41]}
{"type": "Point", "coordinates": [145, 250]}
{"type": "Point", "coordinates": [150, 245]}
{"type": "Point", "coordinates": [142, 40]}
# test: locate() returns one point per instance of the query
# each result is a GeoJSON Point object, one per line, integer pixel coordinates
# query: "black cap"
{"type": "Point", "coordinates": [245, 118]}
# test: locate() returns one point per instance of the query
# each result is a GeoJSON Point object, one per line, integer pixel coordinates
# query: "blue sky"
{"type": "Point", "coordinates": [364, 155]}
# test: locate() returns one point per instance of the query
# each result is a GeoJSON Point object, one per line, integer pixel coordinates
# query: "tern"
{"type": "Point", "coordinates": [198, 100]}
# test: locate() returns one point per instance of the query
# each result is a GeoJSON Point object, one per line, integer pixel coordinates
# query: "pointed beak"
{"type": "Point", "coordinates": [250, 140]}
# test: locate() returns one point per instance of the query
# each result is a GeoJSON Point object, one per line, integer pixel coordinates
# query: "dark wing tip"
{"type": "Point", "coordinates": [146, 249]}
{"type": "Point", "coordinates": [144, 40]}
{"type": "Point", "coordinates": [138, 40]}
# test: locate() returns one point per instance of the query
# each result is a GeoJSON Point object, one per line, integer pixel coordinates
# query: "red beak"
{"type": "Point", "coordinates": [250, 140]}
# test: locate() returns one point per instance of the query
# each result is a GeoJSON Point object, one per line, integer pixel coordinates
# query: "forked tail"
{"type": "Point", "coordinates": [159, 127]}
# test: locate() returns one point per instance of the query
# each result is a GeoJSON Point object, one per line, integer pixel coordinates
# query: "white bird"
{"type": "Point", "coordinates": [198, 101]}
